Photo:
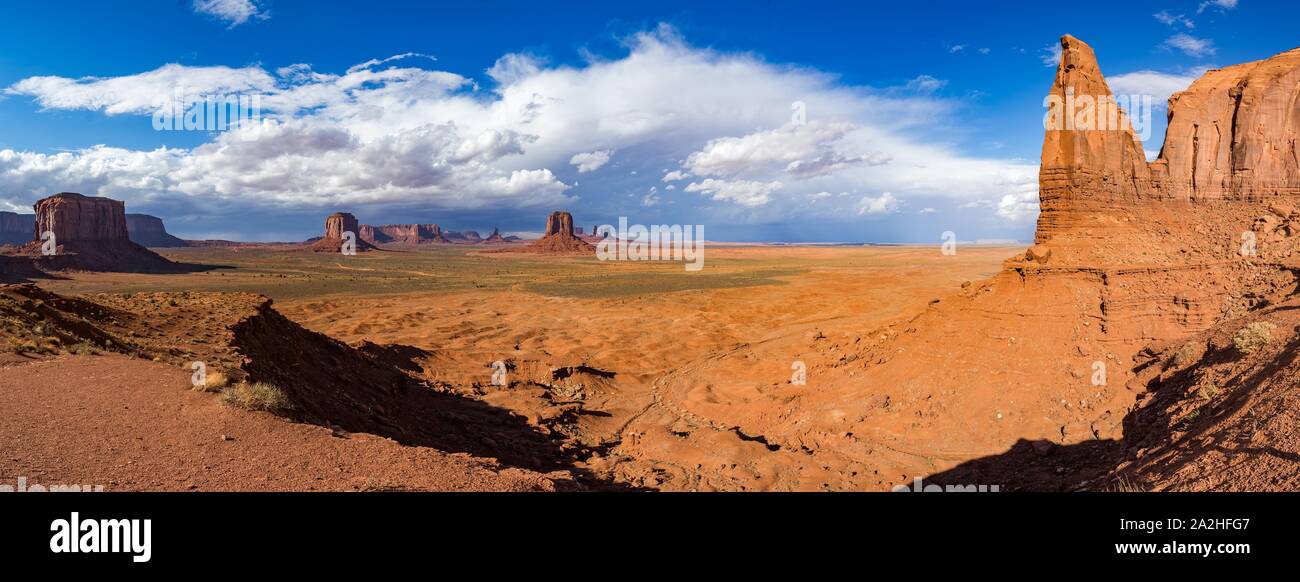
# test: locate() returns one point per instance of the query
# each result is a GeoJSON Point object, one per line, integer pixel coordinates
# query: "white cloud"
{"type": "Point", "coordinates": [651, 198]}
{"type": "Point", "coordinates": [1224, 5]}
{"type": "Point", "coordinates": [590, 161]}
{"type": "Point", "coordinates": [1190, 45]}
{"type": "Point", "coordinates": [1160, 86]}
{"type": "Point", "coordinates": [1167, 18]}
{"type": "Point", "coordinates": [810, 149]}
{"type": "Point", "coordinates": [927, 210]}
{"type": "Point", "coordinates": [403, 133]}
{"type": "Point", "coordinates": [1019, 206]}
{"type": "Point", "coordinates": [956, 48]}
{"type": "Point", "coordinates": [883, 204]}
{"type": "Point", "coordinates": [1050, 55]}
{"type": "Point", "coordinates": [744, 193]}
{"type": "Point", "coordinates": [142, 94]}
{"type": "Point", "coordinates": [927, 84]}
{"type": "Point", "coordinates": [236, 12]}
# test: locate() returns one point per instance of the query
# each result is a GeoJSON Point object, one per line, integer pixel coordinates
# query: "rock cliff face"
{"type": "Point", "coordinates": [335, 225]}
{"type": "Point", "coordinates": [408, 234]}
{"type": "Point", "coordinates": [464, 236]}
{"type": "Point", "coordinates": [559, 223]}
{"type": "Point", "coordinates": [148, 231]}
{"type": "Point", "coordinates": [1230, 159]}
{"type": "Point", "coordinates": [1127, 255]}
{"type": "Point", "coordinates": [90, 234]}
{"type": "Point", "coordinates": [76, 218]}
{"type": "Point", "coordinates": [16, 229]}
{"type": "Point", "coordinates": [495, 237]}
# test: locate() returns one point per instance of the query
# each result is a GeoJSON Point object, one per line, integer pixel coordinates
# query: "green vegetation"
{"type": "Point", "coordinates": [293, 274]}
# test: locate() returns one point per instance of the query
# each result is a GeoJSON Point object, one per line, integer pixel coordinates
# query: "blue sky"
{"type": "Point", "coordinates": [918, 117]}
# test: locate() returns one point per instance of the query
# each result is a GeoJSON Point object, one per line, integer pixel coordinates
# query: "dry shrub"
{"type": "Point", "coordinates": [214, 381]}
{"type": "Point", "coordinates": [256, 396]}
{"type": "Point", "coordinates": [1253, 337]}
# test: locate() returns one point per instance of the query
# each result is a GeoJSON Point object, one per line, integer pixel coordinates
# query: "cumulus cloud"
{"type": "Point", "coordinates": [883, 204]}
{"type": "Point", "coordinates": [800, 150]}
{"type": "Point", "coordinates": [1190, 45]}
{"type": "Point", "coordinates": [1224, 5]}
{"type": "Point", "coordinates": [143, 93]}
{"type": "Point", "coordinates": [1159, 85]}
{"type": "Point", "coordinates": [744, 193]}
{"type": "Point", "coordinates": [236, 12]}
{"type": "Point", "coordinates": [927, 83]}
{"type": "Point", "coordinates": [590, 161]}
{"type": "Point", "coordinates": [397, 131]}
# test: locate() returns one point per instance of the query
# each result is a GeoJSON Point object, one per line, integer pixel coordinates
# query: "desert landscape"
{"type": "Point", "coordinates": [1144, 341]}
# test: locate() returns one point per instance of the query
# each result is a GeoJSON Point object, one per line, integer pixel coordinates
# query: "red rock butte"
{"type": "Point", "coordinates": [1128, 254]}
{"type": "Point", "coordinates": [90, 234]}
{"type": "Point", "coordinates": [335, 225]}
{"type": "Point", "coordinates": [560, 238]}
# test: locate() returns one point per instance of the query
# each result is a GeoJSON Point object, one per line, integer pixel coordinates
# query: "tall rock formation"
{"type": "Point", "coordinates": [148, 231]}
{"type": "Point", "coordinates": [90, 234]}
{"type": "Point", "coordinates": [495, 237]}
{"type": "Point", "coordinates": [335, 225]}
{"type": "Point", "coordinates": [1127, 255]}
{"type": "Point", "coordinates": [560, 238]}
{"type": "Point", "coordinates": [16, 229]}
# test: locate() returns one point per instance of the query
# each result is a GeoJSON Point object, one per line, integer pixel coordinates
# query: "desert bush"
{"type": "Point", "coordinates": [84, 349]}
{"type": "Point", "coordinates": [1190, 352]}
{"type": "Point", "coordinates": [1253, 337]}
{"type": "Point", "coordinates": [1208, 391]}
{"type": "Point", "coordinates": [20, 346]}
{"type": "Point", "coordinates": [256, 396]}
{"type": "Point", "coordinates": [214, 381]}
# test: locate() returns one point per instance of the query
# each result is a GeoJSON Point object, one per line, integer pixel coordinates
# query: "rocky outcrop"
{"type": "Point", "coordinates": [76, 218]}
{"type": "Point", "coordinates": [465, 236]}
{"type": "Point", "coordinates": [335, 225]}
{"type": "Point", "coordinates": [560, 238]}
{"type": "Point", "coordinates": [16, 229]}
{"type": "Point", "coordinates": [148, 231]}
{"type": "Point", "coordinates": [403, 234]}
{"type": "Point", "coordinates": [495, 237]}
{"type": "Point", "coordinates": [1055, 349]}
{"type": "Point", "coordinates": [1230, 164]}
{"type": "Point", "coordinates": [89, 234]}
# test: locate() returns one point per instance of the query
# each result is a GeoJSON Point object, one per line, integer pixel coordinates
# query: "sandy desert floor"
{"type": "Point", "coordinates": [634, 356]}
